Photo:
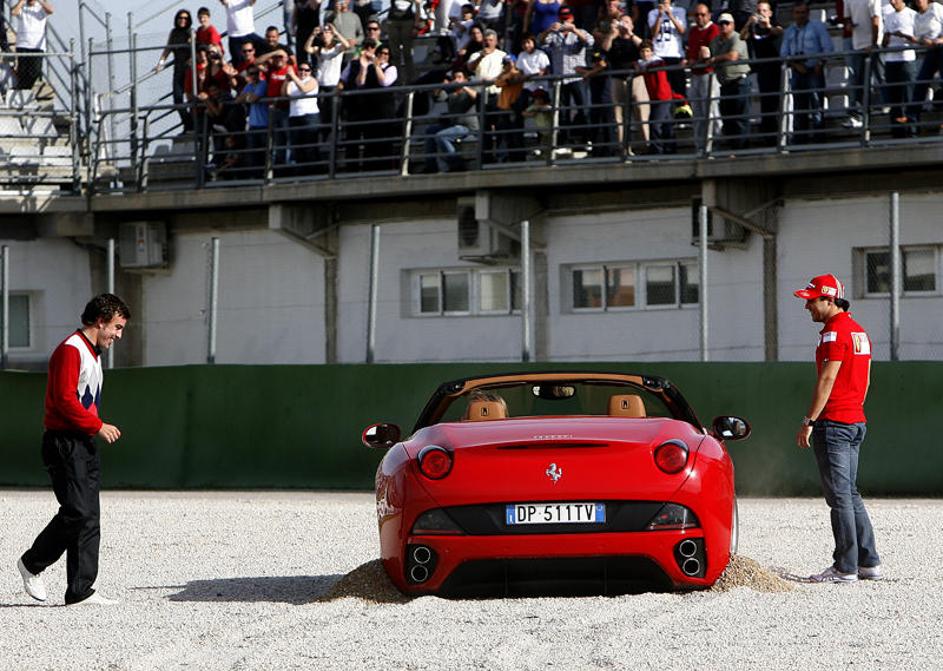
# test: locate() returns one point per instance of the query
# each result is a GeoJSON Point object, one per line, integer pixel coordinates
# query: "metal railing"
{"type": "Point", "coordinates": [799, 114]}
{"type": "Point", "coordinates": [398, 130]}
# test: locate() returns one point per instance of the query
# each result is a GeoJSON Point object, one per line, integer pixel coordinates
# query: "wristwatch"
{"type": "Point", "coordinates": [808, 422]}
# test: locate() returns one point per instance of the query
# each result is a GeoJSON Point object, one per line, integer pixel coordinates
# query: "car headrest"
{"type": "Point", "coordinates": [626, 405]}
{"type": "Point", "coordinates": [480, 411]}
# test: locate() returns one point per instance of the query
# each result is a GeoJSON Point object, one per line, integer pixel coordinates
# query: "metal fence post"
{"type": "Point", "coordinates": [335, 115]}
{"type": "Point", "coordinates": [214, 300]}
{"type": "Point", "coordinates": [525, 291]}
{"type": "Point", "coordinates": [785, 89]}
{"type": "Point", "coordinates": [407, 133]}
{"type": "Point", "coordinates": [74, 122]}
{"type": "Point", "coordinates": [133, 120]}
{"type": "Point", "coordinates": [702, 246]}
{"type": "Point", "coordinates": [895, 276]}
{"type": "Point", "coordinates": [374, 290]}
{"type": "Point", "coordinates": [5, 308]}
{"type": "Point", "coordinates": [109, 42]}
{"type": "Point", "coordinates": [866, 101]}
{"type": "Point", "coordinates": [110, 288]}
{"type": "Point", "coordinates": [555, 128]}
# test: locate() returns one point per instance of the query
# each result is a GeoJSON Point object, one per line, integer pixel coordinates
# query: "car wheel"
{"type": "Point", "coordinates": [734, 529]}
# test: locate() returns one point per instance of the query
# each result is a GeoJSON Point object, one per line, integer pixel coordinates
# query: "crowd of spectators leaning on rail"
{"type": "Point", "coordinates": [263, 103]}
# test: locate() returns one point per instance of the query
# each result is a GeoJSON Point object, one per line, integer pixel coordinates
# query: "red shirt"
{"type": "Point", "coordinates": [209, 35]}
{"type": "Point", "coordinates": [843, 339]}
{"type": "Point", "coordinates": [697, 38]}
{"type": "Point", "coordinates": [275, 80]}
{"type": "Point", "coordinates": [73, 387]}
{"type": "Point", "coordinates": [657, 84]}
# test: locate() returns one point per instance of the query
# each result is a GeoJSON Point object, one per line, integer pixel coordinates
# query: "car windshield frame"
{"type": "Point", "coordinates": [449, 392]}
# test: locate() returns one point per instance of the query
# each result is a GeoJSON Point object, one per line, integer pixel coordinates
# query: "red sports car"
{"type": "Point", "coordinates": [553, 483]}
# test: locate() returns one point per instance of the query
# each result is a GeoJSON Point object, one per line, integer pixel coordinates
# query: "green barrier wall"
{"type": "Point", "coordinates": [299, 426]}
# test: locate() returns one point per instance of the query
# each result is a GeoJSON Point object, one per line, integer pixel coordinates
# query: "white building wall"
{"type": "Point", "coordinates": [820, 236]}
{"type": "Point", "coordinates": [271, 302]}
{"type": "Point", "coordinates": [652, 334]}
{"type": "Point", "coordinates": [272, 291]}
{"type": "Point", "coordinates": [57, 276]}
{"type": "Point", "coordinates": [402, 336]}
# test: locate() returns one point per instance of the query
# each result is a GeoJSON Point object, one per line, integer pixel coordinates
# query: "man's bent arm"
{"type": "Point", "coordinates": [823, 388]}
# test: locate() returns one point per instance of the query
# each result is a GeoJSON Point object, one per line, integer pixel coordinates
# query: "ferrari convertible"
{"type": "Point", "coordinates": [556, 483]}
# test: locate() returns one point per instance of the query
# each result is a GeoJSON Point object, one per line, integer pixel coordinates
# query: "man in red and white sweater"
{"type": "Point", "coordinates": [73, 398]}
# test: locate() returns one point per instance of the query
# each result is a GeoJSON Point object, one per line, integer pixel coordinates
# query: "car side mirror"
{"type": "Point", "coordinates": [727, 427]}
{"type": "Point", "coordinates": [380, 436]}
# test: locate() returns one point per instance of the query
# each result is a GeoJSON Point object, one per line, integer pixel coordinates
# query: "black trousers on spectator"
{"type": "Point", "coordinates": [900, 84]}
{"type": "Point", "coordinates": [807, 108]}
{"type": "Point", "coordinates": [74, 467]}
{"type": "Point", "coordinates": [186, 116]}
{"type": "Point", "coordinates": [769, 82]}
{"type": "Point", "coordinates": [734, 103]}
{"type": "Point", "coordinates": [28, 68]}
{"type": "Point", "coordinates": [573, 111]}
{"type": "Point", "coordinates": [662, 127]}
{"type": "Point", "coordinates": [932, 65]}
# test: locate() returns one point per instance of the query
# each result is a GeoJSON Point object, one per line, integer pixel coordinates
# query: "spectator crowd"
{"type": "Point", "coordinates": [594, 77]}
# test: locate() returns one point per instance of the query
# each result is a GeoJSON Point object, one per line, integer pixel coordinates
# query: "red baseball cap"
{"type": "Point", "coordinates": [565, 12]}
{"type": "Point", "coordinates": [823, 285]}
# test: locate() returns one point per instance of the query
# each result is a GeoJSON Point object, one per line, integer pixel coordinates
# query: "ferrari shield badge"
{"type": "Point", "coordinates": [554, 472]}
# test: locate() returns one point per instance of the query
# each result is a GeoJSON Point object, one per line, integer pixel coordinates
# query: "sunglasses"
{"type": "Point", "coordinates": [247, 51]}
{"type": "Point", "coordinates": [373, 27]}
{"type": "Point", "coordinates": [304, 69]}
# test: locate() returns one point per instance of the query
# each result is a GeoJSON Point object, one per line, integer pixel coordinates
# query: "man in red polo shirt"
{"type": "Point", "coordinates": [836, 425]}
{"type": "Point", "coordinates": [72, 420]}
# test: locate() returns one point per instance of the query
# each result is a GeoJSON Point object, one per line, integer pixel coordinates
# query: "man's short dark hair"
{"type": "Point", "coordinates": [843, 304]}
{"type": "Point", "coordinates": [370, 43]}
{"type": "Point", "coordinates": [275, 28]}
{"type": "Point", "coordinates": [203, 10]}
{"type": "Point", "coordinates": [104, 307]}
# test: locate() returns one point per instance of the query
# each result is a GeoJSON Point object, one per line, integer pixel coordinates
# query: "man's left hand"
{"type": "Point", "coordinates": [802, 438]}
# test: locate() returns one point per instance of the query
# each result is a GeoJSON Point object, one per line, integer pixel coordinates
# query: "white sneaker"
{"type": "Point", "coordinates": [870, 573]}
{"type": "Point", "coordinates": [852, 122]}
{"type": "Point", "coordinates": [96, 600]}
{"type": "Point", "coordinates": [33, 584]}
{"type": "Point", "coordinates": [831, 574]}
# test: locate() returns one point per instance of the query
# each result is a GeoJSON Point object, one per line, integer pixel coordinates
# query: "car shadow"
{"type": "Point", "coordinates": [295, 590]}
{"type": "Point", "coordinates": [368, 582]}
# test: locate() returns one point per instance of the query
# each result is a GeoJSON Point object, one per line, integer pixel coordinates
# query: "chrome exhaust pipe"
{"type": "Point", "coordinates": [687, 548]}
{"type": "Point", "coordinates": [691, 566]}
{"type": "Point", "coordinates": [419, 573]}
{"type": "Point", "coordinates": [422, 554]}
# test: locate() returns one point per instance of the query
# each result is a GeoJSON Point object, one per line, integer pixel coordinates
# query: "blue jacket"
{"type": "Point", "coordinates": [812, 38]}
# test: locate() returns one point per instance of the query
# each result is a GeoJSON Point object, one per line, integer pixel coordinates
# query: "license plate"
{"type": "Point", "coordinates": [555, 513]}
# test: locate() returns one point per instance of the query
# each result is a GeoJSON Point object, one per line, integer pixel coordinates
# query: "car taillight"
{"type": "Point", "coordinates": [671, 456]}
{"type": "Point", "coordinates": [673, 516]}
{"type": "Point", "coordinates": [435, 462]}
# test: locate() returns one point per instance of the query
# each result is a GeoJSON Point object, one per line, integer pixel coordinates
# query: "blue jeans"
{"type": "Point", "coordinates": [836, 448]}
{"type": "Point", "coordinates": [440, 148]}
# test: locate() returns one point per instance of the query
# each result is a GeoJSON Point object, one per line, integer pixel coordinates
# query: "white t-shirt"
{"type": "Point", "coordinates": [668, 42]}
{"type": "Point", "coordinates": [240, 18]}
{"type": "Point", "coordinates": [300, 104]}
{"type": "Point", "coordinates": [902, 21]}
{"type": "Point", "coordinates": [30, 27]}
{"type": "Point", "coordinates": [533, 64]}
{"type": "Point", "coordinates": [930, 23]}
{"type": "Point", "coordinates": [329, 65]}
{"type": "Point", "coordinates": [860, 12]}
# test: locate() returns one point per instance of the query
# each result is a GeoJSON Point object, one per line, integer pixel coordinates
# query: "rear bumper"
{"type": "Point", "coordinates": [591, 563]}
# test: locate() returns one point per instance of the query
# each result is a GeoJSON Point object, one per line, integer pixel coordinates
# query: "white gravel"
{"type": "Point", "coordinates": [244, 581]}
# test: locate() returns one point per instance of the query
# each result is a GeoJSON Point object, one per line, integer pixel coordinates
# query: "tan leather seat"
{"type": "Point", "coordinates": [626, 405]}
{"type": "Point", "coordinates": [482, 411]}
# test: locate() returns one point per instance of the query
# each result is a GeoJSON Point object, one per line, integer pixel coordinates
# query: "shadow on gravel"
{"type": "Point", "coordinates": [296, 590]}
{"type": "Point", "coordinates": [368, 582]}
